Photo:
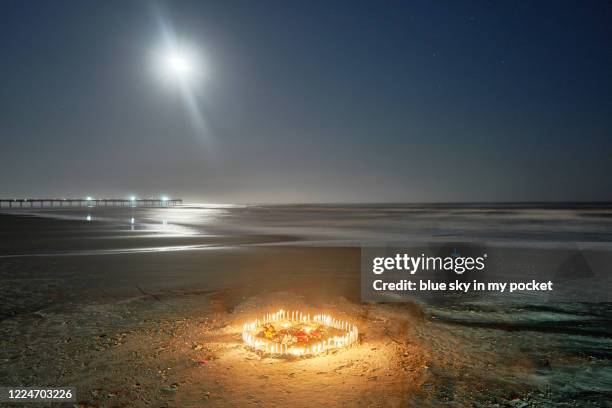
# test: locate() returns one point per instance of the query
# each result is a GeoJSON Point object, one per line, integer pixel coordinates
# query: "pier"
{"type": "Point", "coordinates": [88, 202]}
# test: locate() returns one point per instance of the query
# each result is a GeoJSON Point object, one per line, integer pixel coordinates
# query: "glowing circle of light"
{"type": "Point", "coordinates": [180, 67]}
{"type": "Point", "coordinates": [342, 334]}
{"type": "Point", "coordinates": [178, 64]}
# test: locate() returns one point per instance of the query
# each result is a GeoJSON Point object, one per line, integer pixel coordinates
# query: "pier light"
{"type": "Point", "coordinates": [88, 198]}
{"type": "Point", "coordinates": [164, 198]}
{"type": "Point", "coordinates": [132, 198]}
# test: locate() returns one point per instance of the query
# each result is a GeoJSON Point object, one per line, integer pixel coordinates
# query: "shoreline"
{"type": "Point", "coordinates": [164, 328]}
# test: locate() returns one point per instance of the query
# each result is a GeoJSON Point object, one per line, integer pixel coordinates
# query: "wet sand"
{"type": "Point", "coordinates": [162, 328]}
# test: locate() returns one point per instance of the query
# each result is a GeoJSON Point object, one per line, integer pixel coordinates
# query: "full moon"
{"type": "Point", "coordinates": [178, 64]}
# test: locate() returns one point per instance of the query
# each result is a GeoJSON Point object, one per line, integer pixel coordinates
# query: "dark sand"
{"type": "Point", "coordinates": [163, 329]}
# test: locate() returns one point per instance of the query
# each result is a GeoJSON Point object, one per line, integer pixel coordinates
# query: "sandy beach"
{"type": "Point", "coordinates": [138, 317]}
{"type": "Point", "coordinates": [305, 204]}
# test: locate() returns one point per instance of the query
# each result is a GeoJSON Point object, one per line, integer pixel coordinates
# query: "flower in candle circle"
{"type": "Point", "coordinates": [298, 334]}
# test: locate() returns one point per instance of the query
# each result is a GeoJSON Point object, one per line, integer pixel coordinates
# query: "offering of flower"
{"type": "Point", "coordinates": [297, 333]}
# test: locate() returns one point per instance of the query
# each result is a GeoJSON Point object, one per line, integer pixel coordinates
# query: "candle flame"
{"type": "Point", "coordinates": [287, 319]}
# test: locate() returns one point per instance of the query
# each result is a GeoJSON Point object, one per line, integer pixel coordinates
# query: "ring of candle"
{"type": "Point", "coordinates": [348, 335]}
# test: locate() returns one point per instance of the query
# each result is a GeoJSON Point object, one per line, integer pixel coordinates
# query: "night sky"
{"type": "Point", "coordinates": [309, 101]}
